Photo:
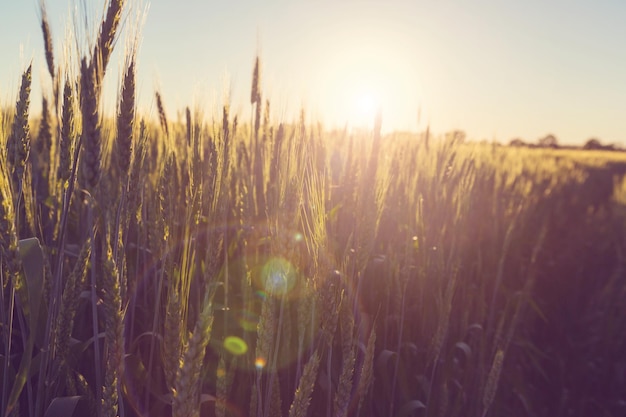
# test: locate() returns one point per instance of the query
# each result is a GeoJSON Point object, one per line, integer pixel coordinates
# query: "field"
{"type": "Point", "coordinates": [220, 267]}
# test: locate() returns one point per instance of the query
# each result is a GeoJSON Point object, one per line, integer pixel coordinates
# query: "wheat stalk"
{"type": "Point", "coordinates": [225, 377]}
{"type": "Point", "coordinates": [67, 310]}
{"type": "Point", "coordinates": [255, 95]}
{"type": "Point", "coordinates": [305, 323]}
{"type": "Point", "coordinates": [108, 30]}
{"type": "Point", "coordinates": [47, 40]}
{"type": "Point", "coordinates": [302, 397]}
{"type": "Point", "coordinates": [43, 146]}
{"type": "Point", "coordinates": [67, 134]}
{"type": "Point", "coordinates": [8, 232]}
{"type": "Point", "coordinates": [367, 371]}
{"type": "Point", "coordinates": [18, 144]}
{"type": "Point", "coordinates": [9, 262]}
{"type": "Point", "coordinates": [493, 378]}
{"type": "Point", "coordinates": [344, 388]}
{"type": "Point", "coordinates": [126, 121]}
{"type": "Point", "coordinates": [113, 318]}
{"type": "Point", "coordinates": [173, 337]}
{"type": "Point", "coordinates": [266, 335]}
{"type": "Point", "coordinates": [186, 400]}
{"type": "Point", "coordinates": [162, 116]}
{"type": "Point", "coordinates": [91, 135]}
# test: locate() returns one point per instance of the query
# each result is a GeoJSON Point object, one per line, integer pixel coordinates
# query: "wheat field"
{"type": "Point", "coordinates": [199, 267]}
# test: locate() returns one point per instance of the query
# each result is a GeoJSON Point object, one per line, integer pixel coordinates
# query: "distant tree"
{"type": "Point", "coordinates": [549, 141]}
{"type": "Point", "coordinates": [592, 144]}
{"type": "Point", "coordinates": [517, 142]}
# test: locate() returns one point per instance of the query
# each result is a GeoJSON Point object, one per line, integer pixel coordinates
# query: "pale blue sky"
{"type": "Point", "coordinates": [496, 69]}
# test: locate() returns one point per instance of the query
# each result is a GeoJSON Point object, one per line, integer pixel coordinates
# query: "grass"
{"type": "Point", "coordinates": [213, 267]}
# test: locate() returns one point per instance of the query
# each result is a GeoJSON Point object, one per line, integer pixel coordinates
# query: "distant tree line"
{"type": "Point", "coordinates": [550, 141]}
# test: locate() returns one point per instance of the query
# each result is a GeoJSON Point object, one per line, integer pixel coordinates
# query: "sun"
{"type": "Point", "coordinates": [366, 77]}
{"type": "Point", "coordinates": [360, 95]}
{"type": "Point", "coordinates": [366, 94]}
{"type": "Point", "coordinates": [366, 105]}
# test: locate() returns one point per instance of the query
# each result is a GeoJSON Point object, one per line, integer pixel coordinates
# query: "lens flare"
{"type": "Point", "coordinates": [260, 363]}
{"type": "Point", "coordinates": [235, 345]}
{"type": "Point", "coordinates": [248, 320]}
{"type": "Point", "coordinates": [278, 276]}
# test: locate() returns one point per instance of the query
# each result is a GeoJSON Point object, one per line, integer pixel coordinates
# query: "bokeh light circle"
{"type": "Point", "coordinates": [235, 345]}
{"type": "Point", "coordinates": [278, 276]}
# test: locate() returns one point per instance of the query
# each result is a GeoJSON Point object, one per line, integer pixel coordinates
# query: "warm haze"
{"type": "Point", "coordinates": [163, 255]}
{"type": "Point", "coordinates": [495, 69]}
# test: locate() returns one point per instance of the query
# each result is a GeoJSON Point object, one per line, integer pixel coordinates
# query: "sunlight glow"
{"type": "Point", "coordinates": [365, 75]}
{"type": "Point", "coordinates": [366, 106]}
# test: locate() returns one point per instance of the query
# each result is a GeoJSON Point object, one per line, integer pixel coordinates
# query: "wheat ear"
{"type": "Point", "coordinates": [18, 144]}
{"type": "Point", "coordinates": [112, 303]}
{"type": "Point", "coordinates": [126, 121]}
{"type": "Point", "coordinates": [302, 397]}
{"type": "Point", "coordinates": [162, 116]}
{"type": "Point", "coordinates": [47, 40]}
{"type": "Point", "coordinates": [186, 402]}
{"type": "Point", "coordinates": [67, 134]}
{"type": "Point", "coordinates": [69, 304]}
{"type": "Point", "coordinates": [91, 136]}
{"type": "Point", "coordinates": [106, 37]}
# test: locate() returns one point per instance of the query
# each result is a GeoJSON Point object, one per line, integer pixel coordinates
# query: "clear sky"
{"type": "Point", "coordinates": [494, 68]}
